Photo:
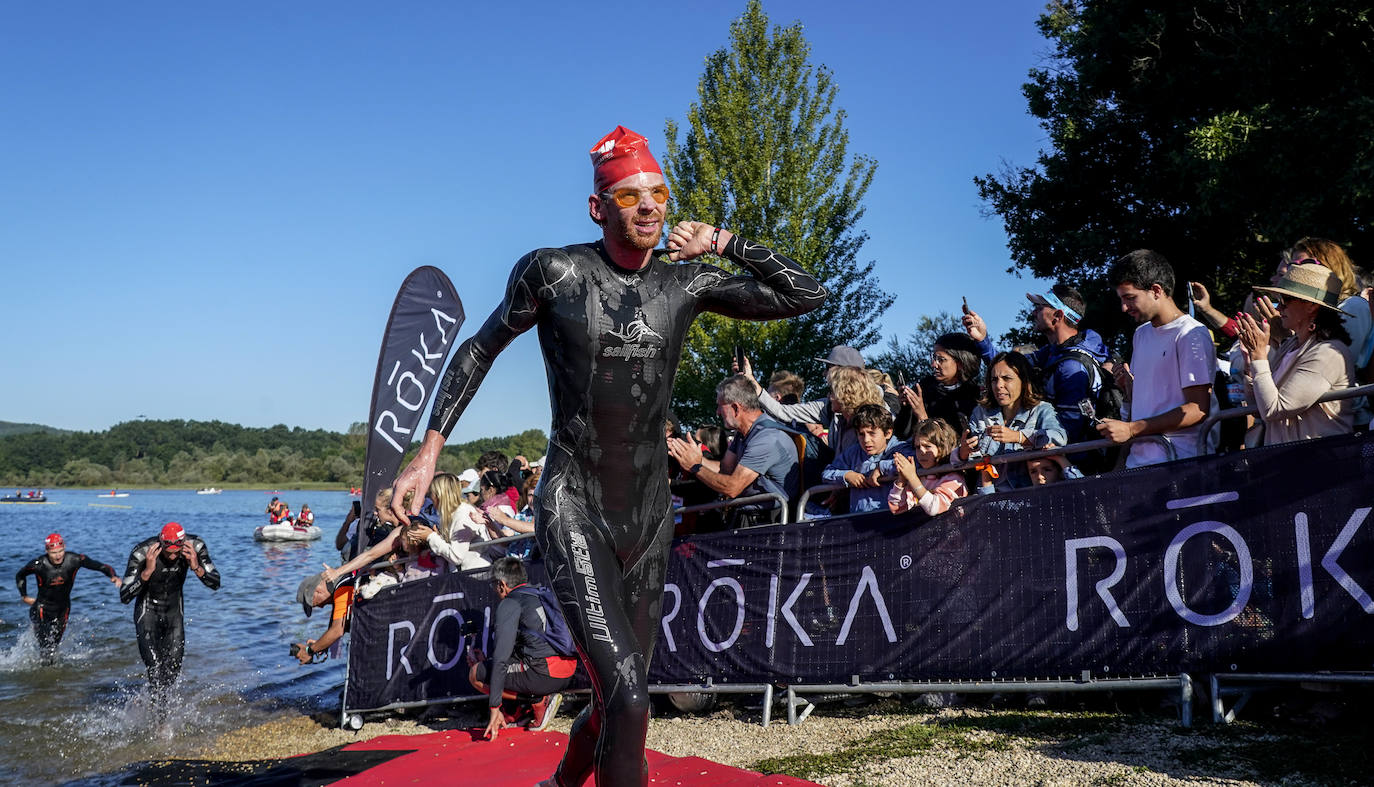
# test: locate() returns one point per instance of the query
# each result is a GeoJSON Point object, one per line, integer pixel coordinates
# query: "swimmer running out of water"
{"type": "Point", "coordinates": [55, 572]}
{"type": "Point", "coordinates": [611, 318]}
{"type": "Point", "coordinates": [156, 572]}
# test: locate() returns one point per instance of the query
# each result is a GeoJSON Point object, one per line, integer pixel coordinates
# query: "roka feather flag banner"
{"type": "Point", "coordinates": [422, 328]}
{"type": "Point", "coordinates": [1258, 561]}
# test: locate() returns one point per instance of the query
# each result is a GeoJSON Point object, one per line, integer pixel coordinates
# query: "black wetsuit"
{"type": "Point", "coordinates": [53, 600]}
{"type": "Point", "coordinates": [158, 611]}
{"type": "Point", "coordinates": [611, 341]}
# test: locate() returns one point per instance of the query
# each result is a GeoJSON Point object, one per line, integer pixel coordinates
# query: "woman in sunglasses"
{"type": "Point", "coordinates": [1285, 383]}
{"type": "Point", "coordinates": [1329, 254]}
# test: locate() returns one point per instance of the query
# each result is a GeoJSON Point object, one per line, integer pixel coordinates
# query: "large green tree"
{"type": "Point", "coordinates": [765, 154]}
{"type": "Point", "coordinates": [1214, 131]}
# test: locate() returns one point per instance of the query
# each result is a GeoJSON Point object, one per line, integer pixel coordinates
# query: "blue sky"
{"type": "Point", "coordinates": [206, 208]}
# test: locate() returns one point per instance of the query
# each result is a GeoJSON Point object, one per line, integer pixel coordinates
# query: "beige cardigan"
{"type": "Point", "coordinates": [1287, 403]}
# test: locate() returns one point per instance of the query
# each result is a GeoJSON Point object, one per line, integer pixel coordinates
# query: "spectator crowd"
{"type": "Point", "coordinates": [869, 445]}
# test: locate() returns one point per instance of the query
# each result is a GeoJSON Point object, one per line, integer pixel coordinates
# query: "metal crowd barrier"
{"type": "Point", "coordinates": [780, 499]}
{"type": "Point", "coordinates": [1246, 683]}
{"type": "Point", "coordinates": [1182, 682]}
{"type": "Point", "coordinates": [1237, 412]}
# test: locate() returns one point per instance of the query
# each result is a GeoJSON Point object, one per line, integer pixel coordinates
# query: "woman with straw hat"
{"type": "Point", "coordinates": [1285, 383]}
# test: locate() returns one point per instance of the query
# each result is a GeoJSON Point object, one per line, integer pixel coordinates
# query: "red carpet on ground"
{"type": "Point", "coordinates": [521, 759]}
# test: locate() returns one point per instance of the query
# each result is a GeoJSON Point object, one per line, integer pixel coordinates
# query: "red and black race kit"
{"type": "Point", "coordinates": [53, 600]}
{"type": "Point", "coordinates": [158, 609]}
{"type": "Point", "coordinates": [611, 340]}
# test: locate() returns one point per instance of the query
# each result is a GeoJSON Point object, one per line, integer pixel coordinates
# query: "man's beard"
{"type": "Point", "coordinates": [642, 242]}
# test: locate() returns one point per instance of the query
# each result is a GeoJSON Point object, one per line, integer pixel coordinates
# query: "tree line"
{"type": "Point", "coordinates": [213, 453]}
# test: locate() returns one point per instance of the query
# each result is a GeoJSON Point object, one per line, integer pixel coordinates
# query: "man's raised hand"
{"type": "Point", "coordinates": [691, 239]}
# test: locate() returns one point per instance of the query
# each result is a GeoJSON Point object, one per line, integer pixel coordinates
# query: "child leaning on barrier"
{"type": "Point", "coordinates": [455, 528]}
{"type": "Point", "coordinates": [1051, 469]}
{"type": "Point", "coordinates": [862, 466]}
{"type": "Point", "coordinates": [933, 440]}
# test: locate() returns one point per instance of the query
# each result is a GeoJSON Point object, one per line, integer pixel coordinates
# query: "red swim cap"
{"type": "Point", "coordinates": [53, 540]}
{"type": "Point", "coordinates": [172, 532]}
{"type": "Point", "coordinates": [620, 154]}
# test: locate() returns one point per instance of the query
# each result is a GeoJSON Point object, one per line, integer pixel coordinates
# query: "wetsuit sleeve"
{"type": "Point", "coordinates": [211, 576]}
{"type": "Point", "coordinates": [518, 312]}
{"type": "Point", "coordinates": [776, 288]}
{"type": "Point", "coordinates": [133, 581]}
{"type": "Point", "coordinates": [507, 627]}
{"type": "Point", "coordinates": [22, 578]}
{"type": "Point", "coordinates": [96, 565]}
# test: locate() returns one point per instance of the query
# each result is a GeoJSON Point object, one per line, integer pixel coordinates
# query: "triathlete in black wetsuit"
{"type": "Point", "coordinates": [55, 572]}
{"type": "Point", "coordinates": [157, 570]}
{"type": "Point", "coordinates": [612, 318]}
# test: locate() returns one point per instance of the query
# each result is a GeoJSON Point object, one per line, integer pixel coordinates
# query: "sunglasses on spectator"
{"type": "Point", "coordinates": [1308, 261]}
{"type": "Point", "coordinates": [628, 198]}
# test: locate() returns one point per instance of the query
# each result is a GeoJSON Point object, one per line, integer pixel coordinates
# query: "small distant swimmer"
{"type": "Point", "coordinates": [156, 572]}
{"type": "Point", "coordinates": [55, 571]}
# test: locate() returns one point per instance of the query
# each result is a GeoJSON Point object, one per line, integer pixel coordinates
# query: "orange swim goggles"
{"type": "Point", "coordinates": [628, 197]}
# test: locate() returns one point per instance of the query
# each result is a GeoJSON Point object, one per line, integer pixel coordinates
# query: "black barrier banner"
{"type": "Point", "coordinates": [409, 642]}
{"type": "Point", "coordinates": [424, 321]}
{"type": "Point", "coordinates": [1262, 560]}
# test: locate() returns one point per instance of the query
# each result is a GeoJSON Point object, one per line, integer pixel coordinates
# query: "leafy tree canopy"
{"type": "Point", "coordinates": [765, 155]}
{"type": "Point", "coordinates": [199, 453]}
{"type": "Point", "coordinates": [1216, 132]}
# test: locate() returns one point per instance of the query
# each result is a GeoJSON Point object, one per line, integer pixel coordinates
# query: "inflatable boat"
{"type": "Point", "coordinates": [287, 531]}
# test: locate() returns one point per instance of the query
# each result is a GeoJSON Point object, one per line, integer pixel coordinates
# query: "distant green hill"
{"type": "Point", "coordinates": [210, 453]}
{"type": "Point", "coordinates": [8, 428]}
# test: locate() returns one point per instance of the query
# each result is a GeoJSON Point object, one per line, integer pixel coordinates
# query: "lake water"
{"type": "Point", "coordinates": [88, 713]}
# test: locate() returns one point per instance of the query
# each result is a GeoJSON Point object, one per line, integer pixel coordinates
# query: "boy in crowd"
{"type": "Point", "coordinates": [1168, 383]}
{"type": "Point", "coordinates": [862, 466]}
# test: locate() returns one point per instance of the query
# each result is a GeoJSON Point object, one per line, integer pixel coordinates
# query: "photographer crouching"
{"type": "Point", "coordinates": [317, 591]}
{"type": "Point", "coordinates": [533, 658]}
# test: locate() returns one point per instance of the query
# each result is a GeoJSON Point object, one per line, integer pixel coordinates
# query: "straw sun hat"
{"type": "Point", "coordinates": [1309, 282]}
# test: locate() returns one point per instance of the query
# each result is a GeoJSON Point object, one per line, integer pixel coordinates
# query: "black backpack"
{"type": "Point", "coordinates": [1109, 400]}
{"type": "Point", "coordinates": [555, 631]}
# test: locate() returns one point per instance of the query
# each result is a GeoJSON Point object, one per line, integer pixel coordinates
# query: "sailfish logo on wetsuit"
{"type": "Point", "coordinates": [630, 336]}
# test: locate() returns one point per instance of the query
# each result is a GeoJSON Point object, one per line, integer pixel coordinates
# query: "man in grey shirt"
{"type": "Point", "coordinates": [764, 458]}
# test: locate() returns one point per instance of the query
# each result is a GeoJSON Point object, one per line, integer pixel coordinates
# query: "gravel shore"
{"type": "Point", "coordinates": [887, 742]}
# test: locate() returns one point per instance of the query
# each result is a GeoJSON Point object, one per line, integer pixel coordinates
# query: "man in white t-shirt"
{"type": "Point", "coordinates": [1168, 383]}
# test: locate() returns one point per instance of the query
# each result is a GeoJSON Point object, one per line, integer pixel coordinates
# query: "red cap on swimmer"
{"type": "Point", "coordinates": [172, 533]}
{"type": "Point", "coordinates": [53, 541]}
{"type": "Point", "coordinates": [620, 154]}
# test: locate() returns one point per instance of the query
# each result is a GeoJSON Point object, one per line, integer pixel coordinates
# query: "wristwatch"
{"type": "Point", "coordinates": [694, 469]}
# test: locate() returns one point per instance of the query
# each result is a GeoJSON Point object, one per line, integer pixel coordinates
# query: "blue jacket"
{"type": "Point", "coordinates": [1070, 383]}
{"type": "Point", "coordinates": [853, 459]}
{"type": "Point", "coordinates": [1039, 424]}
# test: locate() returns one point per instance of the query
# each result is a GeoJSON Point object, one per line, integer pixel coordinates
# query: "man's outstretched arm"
{"type": "Point", "coordinates": [516, 314]}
